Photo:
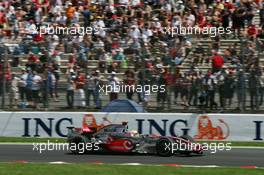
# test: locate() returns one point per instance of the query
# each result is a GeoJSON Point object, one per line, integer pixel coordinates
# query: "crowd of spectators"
{"type": "Point", "coordinates": [128, 44]}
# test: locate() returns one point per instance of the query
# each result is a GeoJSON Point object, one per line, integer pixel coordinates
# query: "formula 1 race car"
{"type": "Point", "coordinates": [116, 138]}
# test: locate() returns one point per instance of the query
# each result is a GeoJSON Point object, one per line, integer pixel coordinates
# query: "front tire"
{"type": "Point", "coordinates": [164, 147]}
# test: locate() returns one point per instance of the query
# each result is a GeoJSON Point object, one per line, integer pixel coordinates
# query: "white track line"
{"type": "Point", "coordinates": [59, 162]}
{"type": "Point", "coordinates": [247, 147]}
{"type": "Point", "coordinates": [15, 143]}
{"type": "Point", "coordinates": [140, 164]}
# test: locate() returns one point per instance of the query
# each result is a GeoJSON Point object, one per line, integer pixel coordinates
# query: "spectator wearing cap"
{"type": "Point", "coordinates": [144, 77]}
{"type": "Point", "coordinates": [199, 53]}
{"type": "Point", "coordinates": [56, 70]}
{"type": "Point", "coordinates": [86, 16]}
{"type": "Point", "coordinates": [185, 89]}
{"type": "Point", "coordinates": [195, 87]}
{"type": "Point", "coordinates": [226, 15]}
{"type": "Point", "coordinates": [162, 89]}
{"type": "Point", "coordinates": [190, 19]}
{"type": "Point", "coordinates": [134, 32]}
{"type": "Point", "coordinates": [99, 25]}
{"type": "Point", "coordinates": [48, 85]}
{"type": "Point", "coordinates": [102, 57]}
{"type": "Point", "coordinates": [238, 20]}
{"type": "Point", "coordinates": [209, 84]}
{"type": "Point", "coordinates": [98, 84]}
{"type": "Point", "coordinates": [221, 76]}
{"type": "Point", "coordinates": [118, 57]}
{"type": "Point", "coordinates": [22, 84]}
{"type": "Point", "coordinates": [113, 83]}
{"type": "Point", "coordinates": [250, 8]}
{"type": "Point", "coordinates": [28, 88]}
{"type": "Point", "coordinates": [35, 89]}
{"type": "Point", "coordinates": [71, 76]}
{"type": "Point", "coordinates": [179, 7]}
{"type": "Point", "coordinates": [91, 89]}
{"type": "Point", "coordinates": [70, 13]}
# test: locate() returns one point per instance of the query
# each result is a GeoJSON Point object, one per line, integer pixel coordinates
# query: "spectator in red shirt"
{"type": "Point", "coordinates": [201, 19]}
{"type": "Point", "coordinates": [71, 62]}
{"type": "Point", "coordinates": [129, 82]}
{"type": "Point", "coordinates": [228, 4]}
{"type": "Point", "coordinates": [38, 38]}
{"type": "Point", "coordinates": [7, 72]}
{"type": "Point", "coordinates": [217, 62]}
{"type": "Point", "coordinates": [2, 18]}
{"type": "Point", "coordinates": [177, 84]}
{"type": "Point", "coordinates": [32, 62]}
{"type": "Point", "coordinates": [80, 80]}
{"type": "Point", "coordinates": [7, 76]}
{"type": "Point", "coordinates": [79, 95]}
{"type": "Point", "coordinates": [170, 82]}
{"type": "Point", "coordinates": [252, 31]}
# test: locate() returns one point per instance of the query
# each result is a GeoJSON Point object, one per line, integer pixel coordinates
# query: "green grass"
{"type": "Point", "coordinates": [61, 140]}
{"type": "Point", "coordinates": [30, 139]}
{"type": "Point", "coordinates": [69, 169]}
{"type": "Point", "coordinates": [236, 143]}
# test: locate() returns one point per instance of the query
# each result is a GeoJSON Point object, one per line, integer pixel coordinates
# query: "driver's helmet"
{"type": "Point", "coordinates": [126, 126]}
{"type": "Point", "coordinates": [134, 133]}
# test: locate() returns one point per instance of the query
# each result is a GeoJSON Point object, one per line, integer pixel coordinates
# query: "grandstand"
{"type": "Point", "coordinates": [157, 50]}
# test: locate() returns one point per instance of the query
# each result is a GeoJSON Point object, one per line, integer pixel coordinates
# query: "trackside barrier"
{"type": "Point", "coordinates": [221, 127]}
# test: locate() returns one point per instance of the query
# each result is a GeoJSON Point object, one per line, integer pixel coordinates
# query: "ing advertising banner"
{"type": "Point", "coordinates": [217, 127]}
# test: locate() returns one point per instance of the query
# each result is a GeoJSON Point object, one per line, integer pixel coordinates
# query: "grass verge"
{"type": "Point", "coordinates": [68, 169]}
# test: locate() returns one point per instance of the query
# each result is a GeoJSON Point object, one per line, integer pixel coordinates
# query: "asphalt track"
{"type": "Point", "coordinates": [234, 157]}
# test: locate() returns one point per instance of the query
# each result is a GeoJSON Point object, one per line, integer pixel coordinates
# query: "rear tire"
{"type": "Point", "coordinates": [77, 145]}
{"type": "Point", "coordinates": [164, 147]}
